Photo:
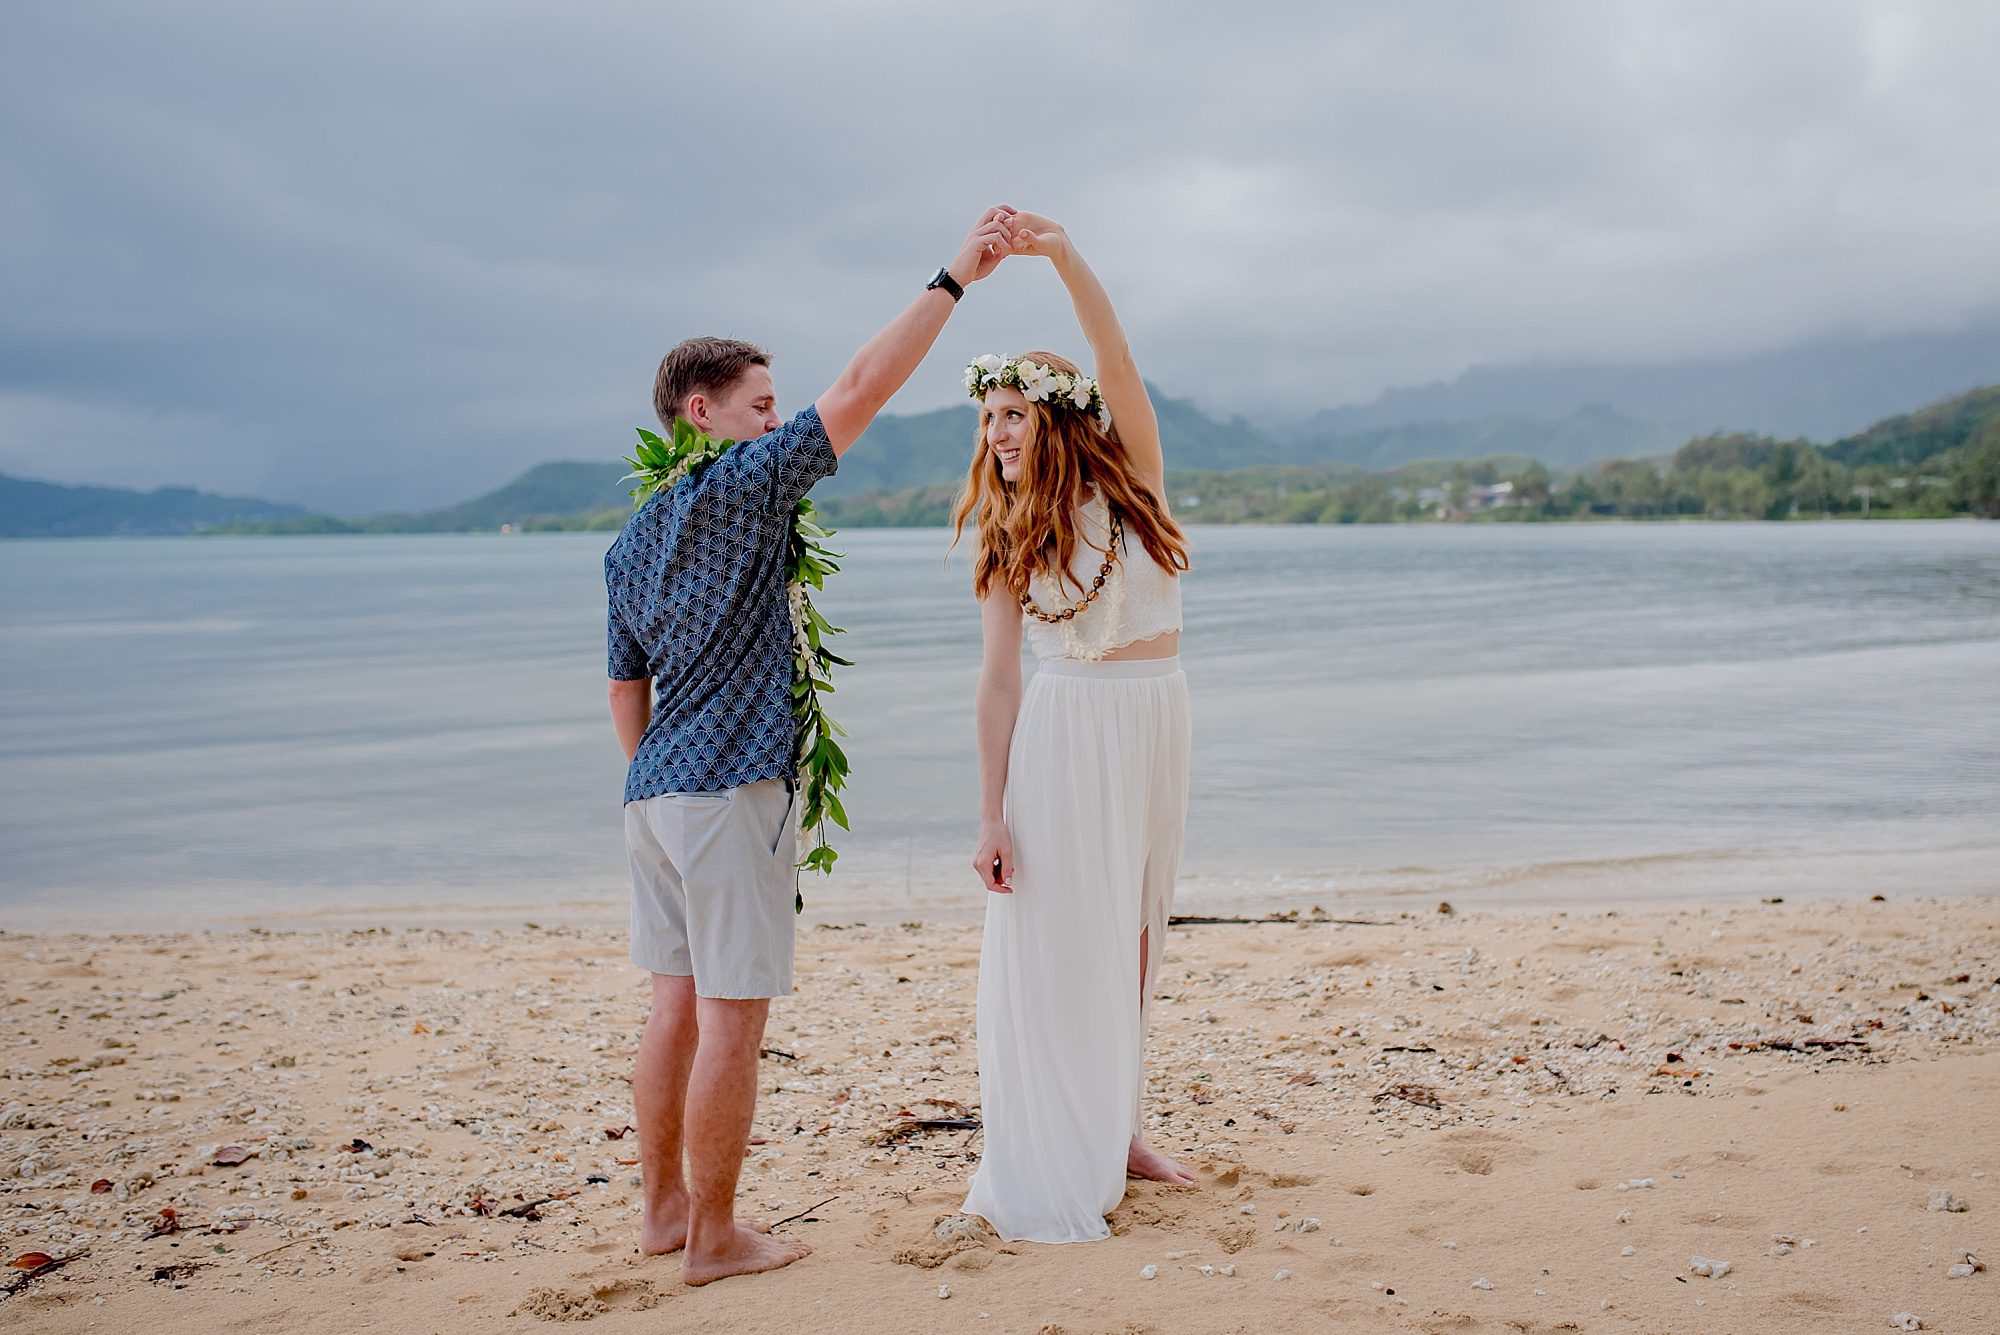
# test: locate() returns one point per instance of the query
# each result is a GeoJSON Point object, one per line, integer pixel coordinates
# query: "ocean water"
{"type": "Point", "coordinates": [414, 728]}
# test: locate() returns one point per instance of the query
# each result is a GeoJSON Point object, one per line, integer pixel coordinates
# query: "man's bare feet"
{"type": "Point", "coordinates": [1142, 1160]}
{"type": "Point", "coordinates": [744, 1251]}
{"type": "Point", "coordinates": [664, 1228]}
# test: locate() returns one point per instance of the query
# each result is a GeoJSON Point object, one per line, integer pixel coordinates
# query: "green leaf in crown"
{"type": "Point", "coordinates": [657, 464]}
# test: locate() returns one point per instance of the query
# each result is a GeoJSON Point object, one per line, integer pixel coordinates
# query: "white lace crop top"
{"type": "Point", "coordinates": [1140, 600]}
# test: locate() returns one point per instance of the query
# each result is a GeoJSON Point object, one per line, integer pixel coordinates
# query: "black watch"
{"type": "Point", "coordinates": [942, 278]}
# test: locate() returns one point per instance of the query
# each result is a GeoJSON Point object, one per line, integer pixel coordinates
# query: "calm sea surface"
{"type": "Point", "coordinates": [213, 731]}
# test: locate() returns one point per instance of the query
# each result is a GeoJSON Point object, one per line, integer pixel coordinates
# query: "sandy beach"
{"type": "Point", "coordinates": [1493, 1121]}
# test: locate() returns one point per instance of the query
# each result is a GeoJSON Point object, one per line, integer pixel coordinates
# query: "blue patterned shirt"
{"type": "Point", "coordinates": [696, 586]}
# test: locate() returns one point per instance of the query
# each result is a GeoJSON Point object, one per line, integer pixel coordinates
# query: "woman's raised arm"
{"type": "Point", "coordinates": [1124, 392]}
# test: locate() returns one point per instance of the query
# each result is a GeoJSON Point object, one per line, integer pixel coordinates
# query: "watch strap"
{"type": "Point", "coordinates": [942, 278]}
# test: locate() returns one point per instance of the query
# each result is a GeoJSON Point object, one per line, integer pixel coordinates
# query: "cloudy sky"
{"type": "Point", "coordinates": [367, 256]}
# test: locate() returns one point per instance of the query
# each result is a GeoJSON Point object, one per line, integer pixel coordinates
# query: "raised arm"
{"type": "Point", "coordinates": [994, 711]}
{"type": "Point", "coordinates": [1125, 394]}
{"type": "Point", "coordinates": [892, 356]}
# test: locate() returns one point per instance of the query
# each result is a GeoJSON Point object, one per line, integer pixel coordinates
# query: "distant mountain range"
{"type": "Point", "coordinates": [1565, 415]}
{"type": "Point", "coordinates": [1821, 391]}
{"type": "Point", "coordinates": [30, 509]}
{"type": "Point", "coordinates": [897, 454]}
{"type": "Point", "coordinates": [591, 495]}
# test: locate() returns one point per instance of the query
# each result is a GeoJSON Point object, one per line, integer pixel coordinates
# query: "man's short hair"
{"type": "Point", "coordinates": [706, 366]}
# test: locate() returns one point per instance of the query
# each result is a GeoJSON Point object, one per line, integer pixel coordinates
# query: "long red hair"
{"type": "Point", "coordinates": [1029, 527]}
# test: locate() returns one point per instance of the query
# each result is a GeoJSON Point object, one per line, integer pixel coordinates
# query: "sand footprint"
{"type": "Point", "coordinates": [588, 1301]}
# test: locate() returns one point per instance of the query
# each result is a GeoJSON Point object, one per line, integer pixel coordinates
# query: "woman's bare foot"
{"type": "Point", "coordinates": [744, 1251]}
{"type": "Point", "coordinates": [1142, 1160]}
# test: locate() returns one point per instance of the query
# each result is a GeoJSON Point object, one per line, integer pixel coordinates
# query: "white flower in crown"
{"type": "Point", "coordinates": [1080, 392]}
{"type": "Point", "coordinates": [1104, 417]}
{"type": "Point", "coordinates": [1036, 381]}
{"type": "Point", "coordinates": [990, 364]}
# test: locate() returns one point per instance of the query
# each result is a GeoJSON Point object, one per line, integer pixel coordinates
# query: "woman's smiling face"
{"type": "Point", "coordinates": [1004, 421]}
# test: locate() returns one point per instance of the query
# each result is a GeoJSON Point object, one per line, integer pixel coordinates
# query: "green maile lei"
{"type": "Point", "coordinates": [658, 464]}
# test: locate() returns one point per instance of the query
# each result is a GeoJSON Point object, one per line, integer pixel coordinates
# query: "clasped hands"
{"type": "Point", "coordinates": [1002, 231]}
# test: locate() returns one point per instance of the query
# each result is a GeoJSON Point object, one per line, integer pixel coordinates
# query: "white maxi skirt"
{"type": "Point", "coordinates": [1097, 784]}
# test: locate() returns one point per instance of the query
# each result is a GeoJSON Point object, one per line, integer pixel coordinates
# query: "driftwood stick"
{"type": "Point", "coordinates": [1202, 920]}
{"type": "Point", "coordinates": [310, 1237]}
{"type": "Point", "coordinates": [803, 1213]}
{"type": "Point", "coordinates": [527, 1209]}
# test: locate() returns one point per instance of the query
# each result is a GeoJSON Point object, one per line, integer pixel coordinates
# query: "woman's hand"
{"type": "Point", "coordinates": [1037, 235]}
{"type": "Point", "coordinates": [994, 858]}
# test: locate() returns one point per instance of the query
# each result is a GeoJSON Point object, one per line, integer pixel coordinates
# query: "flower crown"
{"type": "Point", "coordinates": [1038, 384]}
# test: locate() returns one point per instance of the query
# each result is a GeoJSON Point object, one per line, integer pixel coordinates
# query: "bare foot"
{"type": "Point", "coordinates": [744, 1251]}
{"type": "Point", "coordinates": [664, 1228]}
{"type": "Point", "coordinates": [1142, 1160]}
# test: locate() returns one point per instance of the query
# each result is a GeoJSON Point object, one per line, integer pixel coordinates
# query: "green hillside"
{"type": "Point", "coordinates": [1915, 437]}
{"type": "Point", "coordinates": [546, 489]}
{"type": "Point", "coordinates": [30, 509]}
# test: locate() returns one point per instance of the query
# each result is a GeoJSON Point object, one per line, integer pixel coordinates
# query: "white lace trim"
{"type": "Point", "coordinates": [1140, 600]}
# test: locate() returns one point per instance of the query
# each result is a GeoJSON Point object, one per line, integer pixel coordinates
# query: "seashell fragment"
{"type": "Point", "coordinates": [1482, 1283]}
{"type": "Point", "coordinates": [1704, 1265]}
{"type": "Point", "coordinates": [1944, 1201]}
{"type": "Point", "coordinates": [1906, 1321]}
{"type": "Point", "coordinates": [1149, 1272]}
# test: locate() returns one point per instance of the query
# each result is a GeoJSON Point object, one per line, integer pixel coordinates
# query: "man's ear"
{"type": "Point", "coordinates": [696, 411]}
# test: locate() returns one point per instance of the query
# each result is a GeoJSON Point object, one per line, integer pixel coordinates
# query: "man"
{"type": "Point", "coordinates": [696, 586]}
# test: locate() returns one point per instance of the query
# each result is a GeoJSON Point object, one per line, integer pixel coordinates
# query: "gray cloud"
{"type": "Point", "coordinates": [368, 256]}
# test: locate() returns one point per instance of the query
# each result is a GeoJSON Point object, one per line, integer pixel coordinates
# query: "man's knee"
{"type": "Point", "coordinates": [733, 1019]}
{"type": "Point", "coordinates": [671, 986]}
{"type": "Point", "coordinates": [673, 1000]}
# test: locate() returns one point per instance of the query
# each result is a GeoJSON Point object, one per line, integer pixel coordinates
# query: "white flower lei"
{"type": "Point", "coordinates": [1038, 384]}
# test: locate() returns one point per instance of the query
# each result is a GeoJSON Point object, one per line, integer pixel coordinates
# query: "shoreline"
{"type": "Point", "coordinates": [937, 902]}
{"type": "Point", "coordinates": [852, 524]}
{"type": "Point", "coordinates": [430, 1129]}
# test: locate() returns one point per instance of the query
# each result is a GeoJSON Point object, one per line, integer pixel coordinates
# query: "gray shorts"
{"type": "Point", "coordinates": [713, 887]}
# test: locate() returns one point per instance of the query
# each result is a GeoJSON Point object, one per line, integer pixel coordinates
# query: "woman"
{"type": "Point", "coordinates": [1083, 777]}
